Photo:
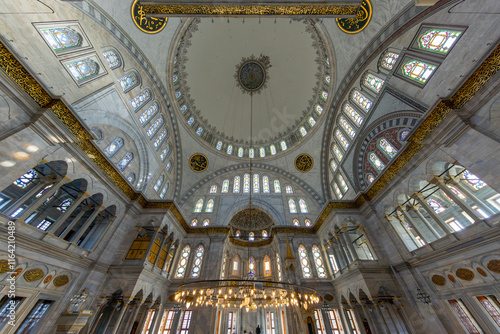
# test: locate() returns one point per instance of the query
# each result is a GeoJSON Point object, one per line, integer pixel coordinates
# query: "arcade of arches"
{"type": "Point", "coordinates": [349, 148]}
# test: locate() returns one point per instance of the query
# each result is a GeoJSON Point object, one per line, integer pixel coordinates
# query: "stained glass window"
{"type": "Point", "coordinates": [168, 166]}
{"type": "Point", "coordinates": [178, 95]}
{"type": "Point", "coordinates": [251, 236]}
{"type": "Point", "coordinates": [361, 101]}
{"type": "Point", "coordinates": [237, 234]}
{"type": "Point", "coordinates": [388, 60]}
{"type": "Point", "coordinates": [246, 183]}
{"type": "Point", "coordinates": [236, 185]}
{"type": "Point", "coordinates": [159, 182]}
{"type": "Point", "coordinates": [343, 141]}
{"type": "Point", "coordinates": [183, 108]}
{"type": "Point", "coordinates": [303, 206]}
{"type": "Point", "coordinates": [61, 38]}
{"type": "Point", "coordinates": [347, 127]}
{"type": "Point", "coordinates": [337, 191]}
{"type": "Point", "coordinates": [404, 134]}
{"type": "Point", "coordinates": [166, 151]}
{"type": "Point", "coordinates": [112, 59]}
{"type": "Point", "coordinates": [225, 186]}
{"type": "Point", "coordinates": [128, 81]}
{"type": "Point", "coordinates": [319, 109]}
{"type": "Point", "coordinates": [114, 147]}
{"type": "Point", "coordinates": [240, 151]}
{"type": "Point", "coordinates": [283, 145]}
{"type": "Point", "coordinates": [342, 182]}
{"type": "Point", "coordinates": [370, 177]}
{"type": "Point", "coordinates": [256, 183]}
{"type": "Point", "coordinates": [131, 177]}
{"type": "Point", "coordinates": [213, 189]}
{"type": "Point", "coordinates": [438, 40]}
{"type": "Point", "coordinates": [175, 78]}
{"type": "Point", "coordinates": [418, 70]}
{"type": "Point", "coordinates": [353, 114]}
{"type": "Point", "coordinates": [65, 205]}
{"type": "Point", "coordinates": [26, 179]}
{"type": "Point", "coordinates": [198, 259]}
{"type": "Point", "coordinates": [307, 222]}
{"type": "Point", "coordinates": [160, 138]}
{"type": "Point", "coordinates": [164, 191]}
{"type": "Point", "coordinates": [267, 266]}
{"type": "Point", "coordinates": [435, 205]}
{"type": "Point", "coordinates": [373, 82]}
{"type": "Point", "coordinates": [303, 131]}
{"type": "Point", "coordinates": [304, 261]}
{"type": "Point", "coordinates": [262, 152]}
{"type": "Point", "coordinates": [278, 266]}
{"type": "Point", "coordinates": [210, 206]}
{"type": "Point", "coordinates": [277, 186]}
{"type": "Point", "coordinates": [289, 189]}
{"type": "Point", "coordinates": [251, 266]}
{"type": "Point", "coordinates": [264, 234]}
{"type": "Point", "coordinates": [318, 261]}
{"type": "Point", "coordinates": [387, 147]}
{"type": "Point", "coordinates": [219, 145]}
{"type": "Point", "coordinates": [199, 205]}
{"type": "Point", "coordinates": [463, 316]}
{"type": "Point", "coordinates": [473, 180]}
{"type": "Point", "coordinates": [488, 305]}
{"type": "Point", "coordinates": [324, 95]}
{"type": "Point", "coordinates": [82, 69]}
{"type": "Point", "coordinates": [206, 222]}
{"type": "Point", "coordinates": [265, 184]}
{"type": "Point", "coordinates": [337, 152]}
{"type": "Point", "coordinates": [272, 148]}
{"type": "Point", "coordinates": [375, 160]}
{"type": "Point", "coordinates": [292, 206]}
{"type": "Point", "coordinates": [458, 193]}
{"type": "Point", "coordinates": [181, 267]}
{"type": "Point", "coordinates": [327, 79]}
{"type": "Point", "coordinates": [125, 161]}
{"type": "Point", "coordinates": [140, 100]}
{"type": "Point", "coordinates": [333, 165]}
{"type": "Point", "coordinates": [98, 133]}
{"type": "Point", "coordinates": [229, 149]}
{"type": "Point", "coordinates": [153, 129]}
{"type": "Point", "coordinates": [149, 113]}
{"type": "Point", "coordinates": [296, 222]}
{"type": "Point", "coordinates": [312, 121]}
{"type": "Point", "coordinates": [251, 153]}
{"type": "Point", "coordinates": [199, 131]}
{"type": "Point", "coordinates": [194, 222]}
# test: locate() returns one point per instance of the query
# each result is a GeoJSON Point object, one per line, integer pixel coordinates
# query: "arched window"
{"type": "Point", "coordinates": [337, 153]}
{"type": "Point", "coordinates": [61, 38]}
{"type": "Point", "coordinates": [112, 59]}
{"type": "Point", "coordinates": [373, 82]}
{"type": "Point", "coordinates": [198, 259]}
{"type": "Point", "coordinates": [178, 94]}
{"type": "Point", "coordinates": [210, 206]}
{"type": "Point", "coordinates": [458, 193]}
{"type": "Point", "coordinates": [272, 148]}
{"type": "Point", "coordinates": [251, 236]}
{"type": "Point", "coordinates": [347, 127]}
{"type": "Point", "coordinates": [283, 145]}
{"type": "Point", "coordinates": [353, 114]}
{"type": "Point", "coordinates": [114, 147]}
{"type": "Point", "coordinates": [324, 95]}
{"type": "Point", "coordinates": [291, 205]}
{"type": "Point", "coordinates": [235, 267]}
{"type": "Point", "coordinates": [128, 81]}
{"type": "Point", "coordinates": [296, 222]}
{"type": "Point", "coordinates": [251, 266]}
{"type": "Point", "coordinates": [278, 266]}
{"type": "Point", "coordinates": [337, 190]}
{"type": "Point", "coordinates": [343, 184]}
{"type": "Point", "coordinates": [229, 149]}
{"type": "Point", "coordinates": [343, 141]}
{"type": "Point", "coordinates": [125, 161]}
{"type": "Point", "coordinates": [370, 177]}
{"type": "Point", "coordinates": [319, 109]}
{"type": "Point", "coordinates": [388, 60]}
{"type": "Point", "coordinates": [236, 185]}
{"type": "Point", "coordinates": [140, 100]}
{"type": "Point", "coordinates": [277, 186]}
{"type": "Point", "coordinates": [251, 153]}
{"type": "Point", "coordinates": [418, 70]}
{"type": "Point", "coordinates": [256, 183]}
{"type": "Point", "coordinates": [473, 180]}
{"type": "Point", "coordinates": [361, 100]}
{"type": "Point", "coordinates": [303, 206]}
{"type": "Point", "coordinates": [98, 133]}
{"type": "Point", "coordinates": [44, 190]}
{"type": "Point", "coordinates": [213, 189]}
{"type": "Point", "coordinates": [403, 135]}
{"type": "Point", "coordinates": [312, 121]}
{"type": "Point", "coordinates": [194, 222]}
{"type": "Point", "coordinates": [199, 131]}
{"type": "Point", "coordinates": [131, 177]}
{"type": "Point", "coordinates": [267, 266]}
{"type": "Point", "coordinates": [159, 182]}
{"type": "Point", "coordinates": [303, 131]}
{"type": "Point", "coordinates": [225, 186]}
{"type": "Point", "coordinates": [289, 189]}
{"type": "Point", "coordinates": [168, 166]}
{"type": "Point", "coordinates": [375, 160]}
{"type": "Point", "coordinates": [164, 191]}
{"type": "Point", "coordinates": [304, 262]}
{"type": "Point", "coordinates": [265, 184]}
{"type": "Point", "coordinates": [199, 205]}
{"type": "Point", "coordinates": [65, 205]}
{"type": "Point", "coordinates": [387, 147]}
{"type": "Point", "coordinates": [191, 121]}
{"type": "Point", "coordinates": [153, 129]}
{"type": "Point", "coordinates": [438, 40]}
{"type": "Point", "coordinates": [181, 267]}
{"type": "Point", "coordinates": [333, 165]}
{"type": "Point", "coordinates": [148, 113]}
{"type": "Point", "coordinates": [166, 151]}
{"type": "Point", "coordinates": [160, 138]}
{"type": "Point", "coordinates": [435, 205]}
{"type": "Point", "coordinates": [219, 145]}
{"type": "Point", "coordinates": [82, 69]}
{"type": "Point", "coordinates": [206, 222]}
{"type": "Point", "coordinates": [264, 234]}
{"type": "Point", "coordinates": [26, 179]}
{"type": "Point", "coordinates": [237, 234]}
{"type": "Point", "coordinates": [262, 152]}
{"type": "Point", "coordinates": [246, 183]}
{"type": "Point", "coordinates": [318, 261]}
{"type": "Point", "coordinates": [240, 152]}
{"type": "Point", "coordinates": [307, 222]}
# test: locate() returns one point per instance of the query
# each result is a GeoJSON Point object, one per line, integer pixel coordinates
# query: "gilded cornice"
{"type": "Point", "coordinates": [330, 10]}
{"type": "Point", "coordinates": [243, 243]}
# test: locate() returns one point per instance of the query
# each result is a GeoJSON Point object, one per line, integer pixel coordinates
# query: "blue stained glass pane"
{"type": "Point", "coordinates": [149, 113]}
{"type": "Point", "coordinates": [404, 134]}
{"type": "Point", "coordinates": [114, 147]}
{"type": "Point", "coordinates": [61, 38]}
{"type": "Point", "coordinates": [375, 160]}
{"type": "Point", "coordinates": [473, 180]}
{"type": "Point", "coordinates": [26, 179]}
{"type": "Point", "coordinates": [125, 161]}
{"type": "Point", "coordinates": [65, 205]}
{"type": "Point", "coordinates": [140, 100]}
{"type": "Point", "coordinates": [128, 81]}
{"type": "Point", "coordinates": [82, 69]}
{"type": "Point", "coordinates": [387, 148]}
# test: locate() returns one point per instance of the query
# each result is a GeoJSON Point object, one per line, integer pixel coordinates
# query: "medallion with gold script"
{"type": "Point", "coordinates": [303, 162]}
{"type": "Point", "coordinates": [198, 162]}
{"type": "Point", "coordinates": [150, 25]}
{"type": "Point", "coordinates": [356, 24]}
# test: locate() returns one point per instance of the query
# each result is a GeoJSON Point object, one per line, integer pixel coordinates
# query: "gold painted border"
{"type": "Point", "coordinates": [138, 26]}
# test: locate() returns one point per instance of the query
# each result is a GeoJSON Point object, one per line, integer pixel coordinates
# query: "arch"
{"type": "Point", "coordinates": [129, 81]}
{"type": "Point", "coordinates": [304, 261]}
{"type": "Point", "coordinates": [318, 261]}
{"type": "Point", "coordinates": [267, 266]}
{"type": "Point", "coordinates": [236, 266]}
{"type": "Point", "coordinates": [198, 260]}
{"type": "Point", "coordinates": [183, 261]}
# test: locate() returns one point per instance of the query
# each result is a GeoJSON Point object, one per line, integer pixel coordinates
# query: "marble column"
{"type": "Point", "coordinates": [91, 235]}
{"type": "Point", "coordinates": [74, 221]}
{"type": "Point", "coordinates": [429, 226]}
{"type": "Point", "coordinates": [340, 251]}
{"type": "Point", "coordinates": [65, 215]}
{"type": "Point", "coordinates": [350, 247]}
{"type": "Point", "coordinates": [439, 181]}
{"type": "Point", "coordinates": [402, 214]}
{"type": "Point", "coordinates": [39, 201]}
{"type": "Point", "coordinates": [393, 222]}
{"type": "Point", "coordinates": [86, 225]}
{"type": "Point", "coordinates": [30, 193]}
{"type": "Point", "coordinates": [144, 317]}
{"type": "Point", "coordinates": [463, 188]}
{"type": "Point", "coordinates": [118, 321]}
{"type": "Point", "coordinates": [152, 242]}
{"type": "Point", "coordinates": [131, 320]}
{"type": "Point", "coordinates": [157, 320]}
{"type": "Point", "coordinates": [423, 203]}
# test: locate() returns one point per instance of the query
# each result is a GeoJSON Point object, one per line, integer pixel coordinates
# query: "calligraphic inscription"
{"type": "Point", "coordinates": [438, 280]}
{"type": "Point", "coordinates": [33, 275]}
{"type": "Point", "coordinates": [494, 266]}
{"type": "Point", "coordinates": [150, 25]}
{"type": "Point", "coordinates": [61, 280]}
{"type": "Point", "coordinates": [47, 279]}
{"type": "Point", "coordinates": [4, 266]}
{"type": "Point", "coordinates": [198, 162]}
{"type": "Point", "coordinates": [465, 274]}
{"type": "Point", "coordinates": [356, 24]}
{"type": "Point", "coordinates": [303, 163]}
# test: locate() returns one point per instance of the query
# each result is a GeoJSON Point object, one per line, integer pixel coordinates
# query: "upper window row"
{"type": "Point", "coordinates": [251, 183]}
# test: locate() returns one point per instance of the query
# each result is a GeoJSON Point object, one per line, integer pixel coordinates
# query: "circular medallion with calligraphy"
{"type": "Point", "coordinates": [304, 162]}
{"type": "Point", "coordinates": [451, 278]}
{"type": "Point", "coordinates": [61, 280]}
{"type": "Point", "coordinates": [17, 272]}
{"type": "Point", "coordinates": [198, 162]}
{"type": "Point", "coordinates": [481, 272]}
{"type": "Point", "coordinates": [494, 266]}
{"type": "Point", "coordinates": [356, 24]}
{"type": "Point", "coordinates": [465, 274]}
{"type": "Point", "coordinates": [4, 266]}
{"type": "Point", "coordinates": [150, 25]}
{"type": "Point", "coordinates": [47, 279]}
{"type": "Point", "coordinates": [438, 280]}
{"type": "Point", "coordinates": [33, 275]}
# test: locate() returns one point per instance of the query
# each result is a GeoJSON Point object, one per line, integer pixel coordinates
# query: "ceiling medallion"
{"type": "Point", "coordinates": [303, 162]}
{"type": "Point", "coordinates": [251, 74]}
{"type": "Point", "coordinates": [149, 25]}
{"type": "Point", "coordinates": [198, 162]}
{"type": "Point", "coordinates": [356, 24]}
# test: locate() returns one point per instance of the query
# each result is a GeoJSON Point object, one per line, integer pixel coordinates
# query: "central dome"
{"type": "Point", "coordinates": [282, 72]}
